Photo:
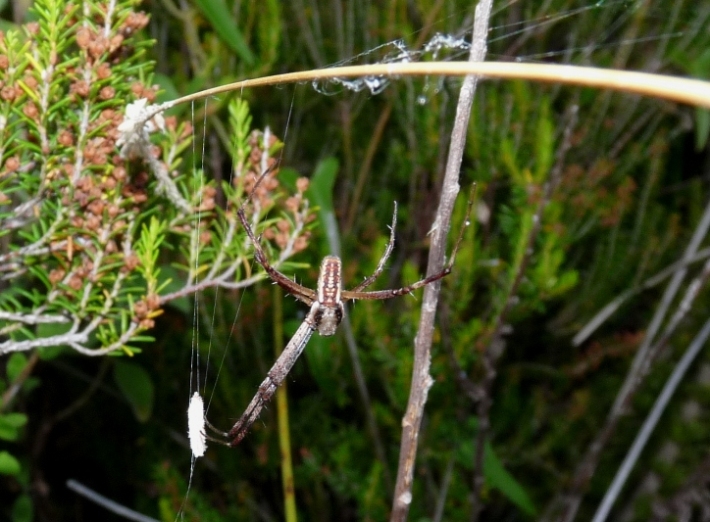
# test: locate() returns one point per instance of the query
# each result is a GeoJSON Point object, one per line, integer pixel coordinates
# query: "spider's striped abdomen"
{"type": "Point", "coordinates": [329, 307]}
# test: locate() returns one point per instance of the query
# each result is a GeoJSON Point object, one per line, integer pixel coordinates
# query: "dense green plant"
{"type": "Point", "coordinates": [97, 239]}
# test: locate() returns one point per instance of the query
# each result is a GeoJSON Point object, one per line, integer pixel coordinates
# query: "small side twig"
{"type": "Point", "coordinates": [107, 503]}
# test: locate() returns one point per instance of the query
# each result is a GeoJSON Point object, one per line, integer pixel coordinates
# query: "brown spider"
{"type": "Point", "coordinates": [326, 312]}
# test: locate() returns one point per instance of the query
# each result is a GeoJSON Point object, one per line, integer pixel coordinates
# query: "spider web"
{"type": "Point", "coordinates": [445, 46]}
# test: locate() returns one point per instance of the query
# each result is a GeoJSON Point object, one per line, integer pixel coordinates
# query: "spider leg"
{"type": "Point", "coordinates": [274, 378]}
{"type": "Point", "coordinates": [215, 429]}
{"type": "Point", "coordinates": [218, 441]}
{"type": "Point", "coordinates": [381, 265]}
{"type": "Point", "coordinates": [219, 432]}
{"type": "Point", "coordinates": [301, 293]}
{"type": "Point", "coordinates": [394, 292]}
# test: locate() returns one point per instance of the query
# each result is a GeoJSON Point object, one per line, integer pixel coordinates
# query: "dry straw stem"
{"type": "Point", "coordinates": [683, 90]}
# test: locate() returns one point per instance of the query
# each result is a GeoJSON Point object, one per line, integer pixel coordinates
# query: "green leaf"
{"type": "Point", "coordinates": [136, 385]}
{"type": "Point", "coordinates": [22, 509]}
{"type": "Point", "coordinates": [47, 330]}
{"type": "Point", "coordinates": [9, 465]}
{"type": "Point", "coordinates": [223, 22]}
{"type": "Point", "coordinates": [48, 353]}
{"type": "Point", "coordinates": [10, 424]}
{"type": "Point", "coordinates": [320, 192]}
{"type": "Point", "coordinates": [8, 432]}
{"type": "Point", "coordinates": [16, 420]}
{"type": "Point", "coordinates": [15, 364]}
{"type": "Point", "coordinates": [270, 29]}
{"type": "Point", "coordinates": [498, 477]}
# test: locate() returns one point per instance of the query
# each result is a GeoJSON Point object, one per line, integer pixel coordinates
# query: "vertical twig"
{"type": "Point", "coordinates": [282, 414]}
{"type": "Point", "coordinates": [421, 379]}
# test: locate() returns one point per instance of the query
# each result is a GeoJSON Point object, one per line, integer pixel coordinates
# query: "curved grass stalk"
{"type": "Point", "coordinates": [683, 90]}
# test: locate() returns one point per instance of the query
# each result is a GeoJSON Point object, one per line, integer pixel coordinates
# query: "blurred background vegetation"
{"type": "Point", "coordinates": [632, 183]}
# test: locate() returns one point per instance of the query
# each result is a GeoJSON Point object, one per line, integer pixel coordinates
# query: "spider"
{"type": "Point", "coordinates": [326, 312]}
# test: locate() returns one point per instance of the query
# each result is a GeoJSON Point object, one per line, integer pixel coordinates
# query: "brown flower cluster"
{"type": "Point", "coordinates": [99, 191]}
{"type": "Point", "coordinates": [98, 46]}
{"type": "Point", "coordinates": [297, 206]}
{"type": "Point", "coordinates": [258, 185]}
{"type": "Point", "coordinates": [145, 310]}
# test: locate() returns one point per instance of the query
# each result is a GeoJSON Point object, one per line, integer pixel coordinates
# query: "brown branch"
{"type": "Point", "coordinates": [421, 379]}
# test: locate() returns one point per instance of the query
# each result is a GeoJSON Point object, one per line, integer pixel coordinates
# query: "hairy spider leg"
{"type": "Point", "coordinates": [301, 293]}
{"type": "Point", "coordinates": [274, 378]}
{"type": "Point", "coordinates": [381, 265]}
{"type": "Point", "coordinates": [395, 292]}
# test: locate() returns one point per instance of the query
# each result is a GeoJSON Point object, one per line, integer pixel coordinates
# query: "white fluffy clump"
{"type": "Point", "coordinates": [140, 120]}
{"type": "Point", "coordinates": [196, 425]}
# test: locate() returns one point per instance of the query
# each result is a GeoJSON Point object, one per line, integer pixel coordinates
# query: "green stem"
{"type": "Point", "coordinates": [282, 414]}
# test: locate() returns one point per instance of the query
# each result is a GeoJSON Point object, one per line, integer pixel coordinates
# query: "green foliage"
{"type": "Point", "coordinates": [22, 510]}
{"type": "Point", "coordinates": [94, 217]}
{"type": "Point", "coordinates": [571, 211]}
{"type": "Point", "coordinates": [66, 88]}
{"type": "Point", "coordinates": [15, 364]}
{"type": "Point", "coordinates": [9, 465]}
{"type": "Point", "coordinates": [88, 228]}
{"type": "Point", "coordinates": [225, 25]}
{"type": "Point", "coordinates": [498, 477]}
{"type": "Point", "coordinates": [10, 424]}
{"type": "Point", "coordinates": [136, 385]}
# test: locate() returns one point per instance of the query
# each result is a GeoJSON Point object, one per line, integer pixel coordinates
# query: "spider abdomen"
{"type": "Point", "coordinates": [326, 318]}
{"type": "Point", "coordinates": [328, 309]}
